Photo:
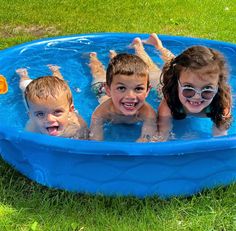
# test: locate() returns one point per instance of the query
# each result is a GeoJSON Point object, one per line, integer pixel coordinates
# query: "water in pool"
{"type": "Point", "coordinates": [72, 55]}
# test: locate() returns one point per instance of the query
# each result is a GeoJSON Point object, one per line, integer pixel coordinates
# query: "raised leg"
{"type": "Point", "coordinates": [55, 71]}
{"type": "Point", "coordinates": [99, 77]}
{"type": "Point", "coordinates": [112, 54]}
{"type": "Point", "coordinates": [96, 68]}
{"type": "Point", "coordinates": [24, 78]}
{"type": "Point", "coordinates": [140, 51]}
{"type": "Point", "coordinates": [166, 54]}
{"type": "Point", "coordinates": [154, 70]}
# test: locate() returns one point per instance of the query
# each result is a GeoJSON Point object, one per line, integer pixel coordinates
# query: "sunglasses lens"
{"type": "Point", "coordinates": [208, 94]}
{"type": "Point", "coordinates": [188, 93]}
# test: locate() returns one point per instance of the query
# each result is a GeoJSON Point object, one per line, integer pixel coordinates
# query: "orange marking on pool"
{"type": "Point", "coordinates": [3, 85]}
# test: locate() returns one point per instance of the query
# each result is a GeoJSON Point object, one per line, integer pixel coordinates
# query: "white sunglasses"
{"type": "Point", "coordinates": [189, 92]}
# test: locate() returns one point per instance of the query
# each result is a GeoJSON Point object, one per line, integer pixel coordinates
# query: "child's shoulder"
{"type": "Point", "coordinates": [30, 126]}
{"type": "Point", "coordinates": [163, 109]}
{"type": "Point", "coordinates": [78, 119]}
{"type": "Point", "coordinates": [77, 127]}
{"type": "Point", "coordinates": [104, 108]}
{"type": "Point", "coordinates": [147, 110]}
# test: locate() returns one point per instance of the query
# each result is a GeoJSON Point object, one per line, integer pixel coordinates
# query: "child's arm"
{"type": "Point", "coordinates": [77, 128]}
{"type": "Point", "coordinates": [96, 129]}
{"type": "Point", "coordinates": [164, 121]}
{"type": "Point", "coordinates": [222, 130]}
{"type": "Point", "coordinates": [149, 128]}
{"type": "Point", "coordinates": [218, 131]}
{"type": "Point", "coordinates": [97, 122]}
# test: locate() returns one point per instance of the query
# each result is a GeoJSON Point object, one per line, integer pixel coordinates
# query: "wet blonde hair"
{"type": "Point", "coordinates": [196, 58]}
{"type": "Point", "coordinates": [45, 87]}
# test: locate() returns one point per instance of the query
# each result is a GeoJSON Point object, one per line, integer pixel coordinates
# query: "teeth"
{"type": "Point", "coordinates": [129, 104]}
{"type": "Point", "coordinates": [194, 103]}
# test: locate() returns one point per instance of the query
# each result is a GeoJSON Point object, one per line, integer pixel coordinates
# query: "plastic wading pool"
{"type": "Point", "coordinates": [183, 166]}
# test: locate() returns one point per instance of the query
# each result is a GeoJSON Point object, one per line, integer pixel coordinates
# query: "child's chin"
{"type": "Point", "coordinates": [129, 113]}
{"type": "Point", "coordinates": [195, 110]}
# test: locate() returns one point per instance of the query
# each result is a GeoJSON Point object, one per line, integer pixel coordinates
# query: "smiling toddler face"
{"type": "Point", "coordinates": [50, 116]}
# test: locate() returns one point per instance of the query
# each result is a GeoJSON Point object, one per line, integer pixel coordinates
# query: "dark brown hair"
{"type": "Point", "coordinates": [126, 64]}
{"type": "Point", "coordinates": [196, 58]}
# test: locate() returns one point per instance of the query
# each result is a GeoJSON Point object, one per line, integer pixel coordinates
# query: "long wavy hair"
{"type": "Point", "coordinates": [195, 58]}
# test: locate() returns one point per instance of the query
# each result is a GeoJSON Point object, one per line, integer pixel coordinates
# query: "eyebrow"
{"type": "Point", "coordinates": [188, 83]}
{"type": "Point", "coordinates": [136, 85]}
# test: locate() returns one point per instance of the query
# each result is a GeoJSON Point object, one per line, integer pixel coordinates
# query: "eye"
{"type": "Point", "coordinates": [187, 85]}
{"type": "Point", "coordinates": [39, 114]}
{"type": "Point", "coordinates": [121, 88]}
{"type": "Point", "coordinates": [208, 88]}
{"type": "Point", "coordinates": [58, 112]}
{"type": "Point", "coordinates": [139, 89]}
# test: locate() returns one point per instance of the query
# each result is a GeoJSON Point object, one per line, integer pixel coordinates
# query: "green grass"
{"type": "Point", "coordinates": [26, 20]}
{"type": "Point", "coordinates": [25, 205]}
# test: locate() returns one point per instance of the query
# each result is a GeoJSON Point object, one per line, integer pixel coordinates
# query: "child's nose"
{"type": "Point", "coordinates": [50, 117]}
{"type": "Point", "coordinates": [197, 95]}
{"type": "Point", "coordinates": [130, 94]}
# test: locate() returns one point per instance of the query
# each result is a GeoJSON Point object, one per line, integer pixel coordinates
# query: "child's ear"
{"type": "Point", "coordinates": [108, 90]}
{"type": "Point", "coordinates": [148, 90]}
{"type": "Point", "coordinates": [72, 107]}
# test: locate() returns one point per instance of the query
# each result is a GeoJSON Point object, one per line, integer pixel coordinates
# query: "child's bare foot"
{"type": "Point", "coordinates": [53, 68]}
{"type": "Point", "coordinates": [96, 67]}
{"type": "Point", "coordinates": [93, 56]}
{"type": "Point", "coordinates": [154, 40]}
{"type": "Point", "coordinates": [23, 73]}
{"type": "Point", "coordinates": [55, 71]}
{"type": "Point", "coordinates": [112, 54]}
{"type": "Point", "coordinates": [140, 51]}
{"type": "Point", "coordinates": [137, 44]}
{"type": "Point", "coordinates": [24, 78]}
{"type": "Point", "coordinates": [93, 60]}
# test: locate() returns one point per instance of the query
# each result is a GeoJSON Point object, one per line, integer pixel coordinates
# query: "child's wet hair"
{"type": "Point", "coordinates": [126, 64]}
{"type": "Point", "coordinates": [45, 87]}
{"type": "Point", "coordinates": [196, 58]}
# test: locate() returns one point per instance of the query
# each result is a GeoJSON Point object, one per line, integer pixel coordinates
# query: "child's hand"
{"type": "Point", "coordinates": [148, 138]}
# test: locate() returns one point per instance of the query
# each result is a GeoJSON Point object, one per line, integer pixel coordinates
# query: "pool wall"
{"type": "Point", "coordinates": [165, 169]}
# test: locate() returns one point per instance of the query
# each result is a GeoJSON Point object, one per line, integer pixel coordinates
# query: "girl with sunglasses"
{"type": "Point", "coordinates": [193, 83]}
{"type": "Point", "coordinates": [196, 83]}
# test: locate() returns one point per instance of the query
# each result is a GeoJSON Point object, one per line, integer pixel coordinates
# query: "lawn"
{"type": "Point", "coordinates": [25, 205]}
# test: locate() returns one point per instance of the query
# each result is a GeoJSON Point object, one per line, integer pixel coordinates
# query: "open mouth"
{"type": "Point", "coordinates": [53, 130]}
{"type": "Point", "coordinates": [130, 106]}
{"type": "Point", "coordinates": [195, 103]}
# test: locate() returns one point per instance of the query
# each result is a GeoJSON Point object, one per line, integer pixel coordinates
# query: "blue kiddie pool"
{"type": "Point", "coordinates": [190, 162]}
